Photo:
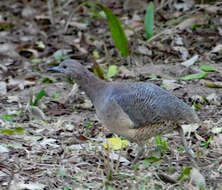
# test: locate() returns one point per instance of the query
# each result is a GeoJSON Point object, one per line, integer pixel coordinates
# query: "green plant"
{"type": "Point", "coordinates": [194, 76]}
{"type": "Point", "coordinates": [66, 188]}
{"type": "Point", "coordinates": [61, 57]}
{"type": "Point", "coordinates": [184, 174]}
{"type": "Point", "coordinates": [197, 106]}
{"type": "Point", "coordinates": [69, 80]}
{"type": "Point", "coordinates": [36, 60]}
{"type": "Point", "coordinates": [149, 20]}
{"type": "Point", "coordinates": [47, 80]}
{"type": "Point", "coordinates": [111, 71]}
{"type": "Point", "coordinates": [117, 32]}
{"type": "Point", "coordinates": [16, 130]}
{"type": "Point", "coordinates": [56, 96]}
{"type": "Point", "coordinates": [110, 188]}
{"type": "Point", "coordinates": [180, 149]}
{"type": "Point", "coordinates": [161, 144]}
{"type": "Point", "coordinates": [8, 117]}
{"type": "Point", "coordinates": [89, 125]}
{"type": "Point", "coordinates": [150, 160]}
{"type": "Point", "coordinates": [38, 97]}
{"type": "Point", "coordinates": [207, 68]}
{"type": "Point", "coordinates": [207, 143]}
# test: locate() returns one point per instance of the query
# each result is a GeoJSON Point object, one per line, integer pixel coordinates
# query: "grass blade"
{"type": "Point", "coordinates": [149, 20]}
{"type": "Point", "coordinates": [39, 96]}
{"type": "Point", "coordinates": [194, 76]}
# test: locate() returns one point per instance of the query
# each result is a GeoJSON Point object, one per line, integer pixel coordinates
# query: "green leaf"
{"type": "Point", "coordinates": [154, 76]}
{"type": "Point", "coordinates": [207, 68]}
{"type": "Point", "coordinates": [180, 149]}
{"type": "Point", "coordinates": [116, 30]}
{"type": "Point", "coordinates": [194, 76]}
{"type": "Point", "coordinates": [69, 80]}
{"type": "Point", "coordinates": [7, 131]}
{"type": "Point", "coordinates": [153, 159]}
{"type": "Point", "coordinates": [89, 125]}
{"type": "Point", "coordinates": [195, 26]}
{"type": "Point", "coordinates": [197, 106]}
{"type": "Point", "coordinates": [4, 26]}
{"type": "Point", "coordinates": [40, 94]}
{"type": "Point", "coordinates": [98, 70]}
{"type": "Point", "coordinates": [158, 140]}
{"type": "Point", "coordinates": [112, 71]}
{"type": "Point", "coordinates": [38, 97]}
{"type": "Point", "coordinates": [36, 60]}
{"type": "Point", "coordinates": [149, 20]}
{"type": "Point", "coordinates": [110, 175]}
{"type": "Point", "coordinates": [110, 188]}
{"type": "Point", "coordinates": [213, 84]}
{"type": "Point", "coordinates": [61, 57]}
{"type": "Point", "coordinates": [184, 174]}
{"type": "Point", "coordinates": [147, 178]}
{"type": "Point", "coordinates": [35, 68]}
{"type": "Point", "coordinates": [207, 143]}
{"type": "Point", "coordinates": [56, 95]}
{"type": "Point", "coordinates": [61, 172]}
{"type": "Point", "coordinates": [7, 117]}
{"type": "Point", "coordinates": [47, 80]}
{"type": "Point", "coordinates": [96, 54]}
{"type": "Point", "coordinates": [165, 146]}
{"type": "Point", "coordinates": [19, 130]}
{"type": "Point", "coordinates": [161, 144]}
{"type": "Point", "coordinates": [205, 99]}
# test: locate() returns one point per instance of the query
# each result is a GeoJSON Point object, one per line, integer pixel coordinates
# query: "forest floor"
{"type": "Point", "coordinates": [57, 142]}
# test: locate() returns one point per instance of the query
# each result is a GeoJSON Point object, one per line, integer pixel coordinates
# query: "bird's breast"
{"type": "Point", "coordinates": [114, 118]}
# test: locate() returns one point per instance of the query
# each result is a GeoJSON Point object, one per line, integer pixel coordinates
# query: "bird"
{"type": "Point", "coordinates": [134, 110]}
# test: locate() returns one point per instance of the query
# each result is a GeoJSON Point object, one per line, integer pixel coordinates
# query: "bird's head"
{"type": "Point", "coordinates": [71, 68]}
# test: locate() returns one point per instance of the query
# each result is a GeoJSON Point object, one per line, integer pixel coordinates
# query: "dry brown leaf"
{"type": "Point", "coordinates": [183, 51]}
{"type": "Point", "coordinates": [210, 8]}
{"type": "Point", "coordinates": [196, 19]}
{"type": "Point", "coordinates": [217, 49]}
{"type": "Point", "coordinates": [124, 72]}
{"type": "Point", "coordinates": [190, 61]}
{"type": "Point", "coordinates": [37, 113]}
{"type": "Point", "coordinates": [197, 178]}
{"type": "Point", "coordinates": [79, 25]}
{"type": "Point", "coordinates": [3, 88]}
{"type": "Point", "coordinates": [171, 84]}
{"type": "Point", "coordinates": [138, 5]}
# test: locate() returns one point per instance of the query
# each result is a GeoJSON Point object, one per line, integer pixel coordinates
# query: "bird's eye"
{"type": "Point", "coordinates": [64, 66]}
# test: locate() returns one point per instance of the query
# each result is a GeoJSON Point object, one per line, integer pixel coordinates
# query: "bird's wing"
{"type": "Point", "coordinates": [150, 105]}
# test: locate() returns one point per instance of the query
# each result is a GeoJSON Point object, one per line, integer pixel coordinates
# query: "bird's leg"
{"type": "Point", "coordinates": [141, 150]}
{"type": "Point", "coordinates": [187, 149]}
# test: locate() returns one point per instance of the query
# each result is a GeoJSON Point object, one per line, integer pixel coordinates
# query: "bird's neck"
{"type": "Point", "coordinates": [91, 84]}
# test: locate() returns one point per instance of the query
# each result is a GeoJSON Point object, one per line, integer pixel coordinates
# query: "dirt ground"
{"type": "Point", "coordinates": [59, 142]}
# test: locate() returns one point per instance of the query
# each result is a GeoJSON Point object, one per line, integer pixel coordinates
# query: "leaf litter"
{"type": "Point", "coordinates": [61, 146]}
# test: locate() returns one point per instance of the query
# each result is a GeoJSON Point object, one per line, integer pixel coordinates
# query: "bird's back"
{"type": "Point", "coordinates": [146, 103]}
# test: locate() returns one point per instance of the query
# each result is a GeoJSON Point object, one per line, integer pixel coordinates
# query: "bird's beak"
{"type": "Point", "coordinates": [56, 69]}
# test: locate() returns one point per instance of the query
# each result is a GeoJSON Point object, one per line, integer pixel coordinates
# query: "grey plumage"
{"type": "Point", "coordinates": [136, 111]}
{"type": "Point", "coordinates": [147, 103]}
